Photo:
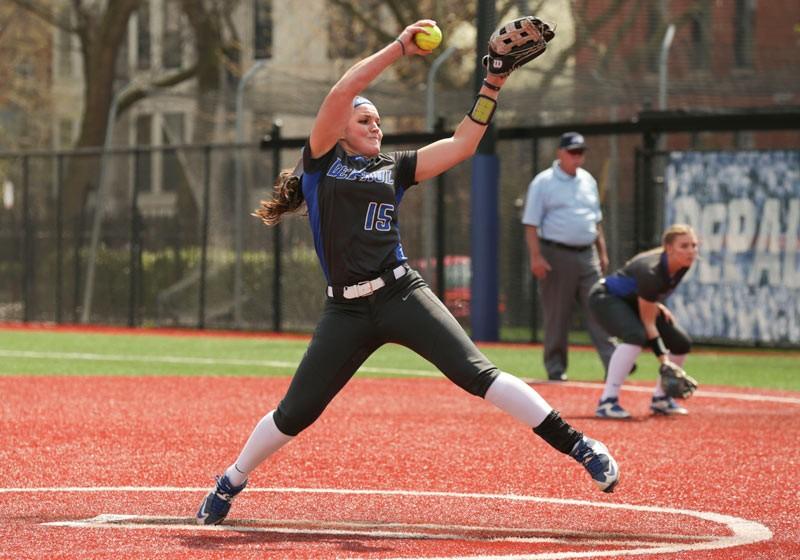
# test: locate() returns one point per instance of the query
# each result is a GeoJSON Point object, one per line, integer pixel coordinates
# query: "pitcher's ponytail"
{"type": "Point", "coordinates": [287, 196]}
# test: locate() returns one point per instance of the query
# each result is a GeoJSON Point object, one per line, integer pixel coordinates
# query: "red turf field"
{"type": "Point", "coordinates": [394, 469]}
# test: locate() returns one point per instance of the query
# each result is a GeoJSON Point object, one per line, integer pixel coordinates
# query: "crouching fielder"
{"type": "Point", "coordinates": [352, 192]}
{"type": "Point", "coordinates": [628, 304]}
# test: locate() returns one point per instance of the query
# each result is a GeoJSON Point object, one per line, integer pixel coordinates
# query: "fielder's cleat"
{"type": "Point", "coordinates": [217, 504]}
{"type": "Point", "coordinates": [557, 376]}
{"type": "Point", "coordinates": [598, 462]}
{"type": "Point", "coordinates": [667, 406]}
{"type": "Point", "coordinates": [610, 408]}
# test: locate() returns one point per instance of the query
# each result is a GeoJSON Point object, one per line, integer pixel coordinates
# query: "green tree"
{"type": "Point", "coordinates": [25, 46]}
{"type": "Point", "coordinates": [101, 29]}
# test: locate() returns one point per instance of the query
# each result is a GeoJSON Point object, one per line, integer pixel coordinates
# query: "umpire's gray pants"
{"type": "Point", "coordinates": [572, 275]}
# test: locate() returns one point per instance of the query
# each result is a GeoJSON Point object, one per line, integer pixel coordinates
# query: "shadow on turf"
{"type": "Point", "coordinates": [278, 543]}
{"type": "Point", "coordinates": [633, 419]}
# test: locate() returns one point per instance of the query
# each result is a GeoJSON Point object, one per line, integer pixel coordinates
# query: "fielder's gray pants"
{"type": "Point", "coordinates": [621, 319]}
{"type": "Point", "coordinates": [572, 276]}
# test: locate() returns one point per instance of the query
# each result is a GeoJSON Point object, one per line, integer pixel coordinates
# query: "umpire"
{"type": "Point", "coordinates": [567, 249]}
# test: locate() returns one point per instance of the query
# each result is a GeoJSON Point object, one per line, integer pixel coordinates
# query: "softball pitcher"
{"type": "Point", "coordinates": [352, 193]}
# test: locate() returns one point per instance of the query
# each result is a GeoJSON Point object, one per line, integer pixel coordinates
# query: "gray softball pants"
{"type": "Point", "coordinates": [621, 319]}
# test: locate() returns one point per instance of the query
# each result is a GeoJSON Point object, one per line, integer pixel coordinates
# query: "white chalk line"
{"type": "Point", "coordinates": [290, 367]}
{"type": "Point", "coordinates": [191, 360]}
{"type": "Point", "coordinates": [742, 531]}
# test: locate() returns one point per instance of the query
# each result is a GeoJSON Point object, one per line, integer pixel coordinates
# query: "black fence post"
{"type": "Point", "coordinates": [59, 238]}
{"type": "Point", "coordinates": [27, 242]}
{"type": "Point", "coordinates": [441, 183]}
{"type": "Point", "coordinates": [135, 243]}
{"type": "Point", "coordinates": [638, 198]}
{"type": "Point", "coordinates": [649, 207]}
{"type": "Point", "coordinates": [534, 282]}
{"type": "Point", "coordinates": [277, 318]}
{"type": "Point", "coordinates": [77, 243]}
{"type": "Point", "coordinates": [201, 306]}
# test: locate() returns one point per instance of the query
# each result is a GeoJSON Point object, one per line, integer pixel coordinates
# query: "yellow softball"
{"type": "Point", "coordinates": [429, 40]}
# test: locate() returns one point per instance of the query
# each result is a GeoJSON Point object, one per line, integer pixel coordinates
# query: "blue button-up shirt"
{"type": "Point", "coordinates": [564, 208]}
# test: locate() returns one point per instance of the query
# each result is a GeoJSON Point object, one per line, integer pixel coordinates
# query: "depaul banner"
{"type": "Point", "coordinates": [745, 208]}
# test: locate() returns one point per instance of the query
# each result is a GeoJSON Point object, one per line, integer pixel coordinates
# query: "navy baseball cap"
{"type": "Point", "coordinates": [572, 141]}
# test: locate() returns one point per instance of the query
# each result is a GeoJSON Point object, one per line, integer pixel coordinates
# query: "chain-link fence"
{"type": "Point", "coordinates": [174, 245]}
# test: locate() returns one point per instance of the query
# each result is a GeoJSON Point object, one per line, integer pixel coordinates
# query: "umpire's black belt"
{"type": "Point", "coordinates": [577, 248]}
{"type": "Point", "coordinates": [368, 287]}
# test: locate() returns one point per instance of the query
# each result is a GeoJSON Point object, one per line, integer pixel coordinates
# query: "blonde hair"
{"type": "Point", "coordinates": [675, 230]}
{"type": "Point", "coordinates": [287, 196]}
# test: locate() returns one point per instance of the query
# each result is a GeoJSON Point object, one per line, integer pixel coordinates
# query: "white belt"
{"type": "Point", "coordinates": [368, 287]}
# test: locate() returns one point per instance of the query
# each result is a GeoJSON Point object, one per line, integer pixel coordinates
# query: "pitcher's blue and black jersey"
{"type": "Point", "coordinates": [645, 276]}
{"type": "Point", "coordinates": [353, 207]}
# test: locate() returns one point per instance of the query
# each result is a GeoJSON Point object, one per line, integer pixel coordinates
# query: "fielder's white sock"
{"type": "Point", "coordinates": [512, 395]}
{"type": "Point", "coordinates": [678, 360]}
{"type": "Point", "coordinates": [265, 440]}
{"type": "Point", "coordinates": [619, 367]}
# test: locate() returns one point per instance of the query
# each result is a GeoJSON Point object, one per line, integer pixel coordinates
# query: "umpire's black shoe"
{"type": "Point", "coordinates": [557, 376]}
{"type": "Point", "coordinates": [217, 504]}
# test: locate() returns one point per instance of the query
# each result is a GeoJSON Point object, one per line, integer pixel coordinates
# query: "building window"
{"type": "Point", "coordinates": [143, 37]}
{"type": "Point", "coordinates": [262, 29]}
{"type": "Point", "coordinates": [64, 47]}
{"type": "Point", "coordinates": [172, 46]}
{"type": "Point", "coordinates": [144, 159]}
{"type": "Point", "coordinates": [121, 67]}
{"type": "Point", "coordinates": [744, 140]}
{"type": "Point", "coordinates": [66, 134]}
{"type": "Point", "coordinates": [23, 68]}
{"type": "Point", "coordinates": [172, 133]}
{"type": "Point", "coordinates": [655, 27]}
{"type": "Point", "coordinates": [700, 35]}
{"type": "Point", "coordinates": [744, 36]}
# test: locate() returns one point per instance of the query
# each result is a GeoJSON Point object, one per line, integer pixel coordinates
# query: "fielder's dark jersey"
{"type": "Point", "coordinates": [353, 210]}
{"type": "Point", "coordinates": [645, 276]}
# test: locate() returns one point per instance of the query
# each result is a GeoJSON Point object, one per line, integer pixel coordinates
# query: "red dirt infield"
{"type": "Point", "coordinates": [115, 467]}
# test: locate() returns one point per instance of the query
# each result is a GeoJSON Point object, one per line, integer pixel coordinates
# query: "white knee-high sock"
{"type": "Point", "coordinates": [678, 360]}
{"type": "Point", "coordinates": [265, 440]}
{"type": "Point", "coordinates": [619, 367]}
{"type": "Point", "coordinates": [512, 395]}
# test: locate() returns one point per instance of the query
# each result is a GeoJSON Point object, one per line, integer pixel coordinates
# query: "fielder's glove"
{"type": "Point", "coordinates": [517, 43]}
{"type": "Point", "coordinates": [676, 382]}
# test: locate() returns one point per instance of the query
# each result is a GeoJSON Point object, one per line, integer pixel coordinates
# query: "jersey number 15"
{"type": "Point", "coordinates": [379, 216]}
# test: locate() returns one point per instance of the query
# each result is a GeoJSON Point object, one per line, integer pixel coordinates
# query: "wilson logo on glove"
{"type": "Point", "coordinates": [517, 43]}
